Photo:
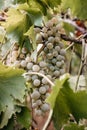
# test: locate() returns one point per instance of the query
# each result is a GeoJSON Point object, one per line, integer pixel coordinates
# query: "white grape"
{"type": "Point", "coordinates": [37, 30]}
{"type": "Point", "coordinates": [35, 95]}
{"type": "Point", "coordinates": [52, 68]}
{"type": "Point", "coordinates": [36, 82]}
{"type": "Point", "coordinates": [34, 105]}
{"type": "Point", "coordinates": [56, 73]}
{"type": "Point", "coordinates": [58, 64]}
{"type": "Point", "coordinates": [45, 107]}
{"type": "Point", "coordinates": [36, 68]}
{"type": "Point", "coordinates": [23, 63]}
{"type": "Point", "coordinates": [55, 53]}
{"type": "Point", "coordinates": [49, 55]}
{"type": "Point", "coordinates": [47, 87]}
{"type": "Point", "coordinates": [38, 112]}
{"type": "Point", "coordinates": [62, 52]}
{"type": "Point", "coordinates": [57, 39]}
{"type": "Point", "coordinates": [28, 59]}
{"type": "Point", "coordinates": [42, 64]}
{"type": "Point", "coordinates": [34, 77]}
{"type": "Point", "coordinates": [24, 50]}
{"type": "Point", "coordinates": [57, 48]}
{"type": "Point", "coordinates": [29, 65]}
{"type": "Point", "coordinates": [51, 40]}
{"type": "Point", "coordinates": [54, 60]}
{"type": "Point", "coordinates": [38, 102]}
{"type": "Point", "coordinates": [44, 81]}
{"type": "Point", "coordinates": [50, 45]}
{"type": "Point", "coordinates": [42, 90]}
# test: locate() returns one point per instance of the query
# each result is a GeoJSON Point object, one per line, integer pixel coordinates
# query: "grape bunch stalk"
{"type": "Point", "coordinates": [50, 62]}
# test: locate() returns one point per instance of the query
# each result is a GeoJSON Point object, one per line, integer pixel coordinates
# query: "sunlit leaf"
{"type": "Point", "coordinates": [11, 88]}
{"type": "Point", "coordinates": [78, 7]}
{"type": "Point", "coordinates": [73, 126]}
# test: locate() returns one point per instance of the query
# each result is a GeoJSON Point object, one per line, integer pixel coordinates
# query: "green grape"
{"type": "Point", "coordinates": [56, 73]}
{"type": "Point", "coordinates": [52, 68]}
{"type": "Point", "coordinates": [35, 95]}
{"type": "Point", "coordinates": [29, 65]}
{"type": "Point", "coordinates": [38, 112]}
{"type": "Point", "coordinates": [36, 82]}
{"type": "Point", "coordinates": [54, 60]}
{"type": "Point", "coordinates": [57, 48]}
{"type": "Point", "coordinates": [23, 63]}
{"type": "Point", "coordinates": [51, 39]}
{"type": "Point", "coordinates": [62, 71]}
{"type": "Point", "coordinates": [45, 107]}
{"type": "Point", "coordinates": [55, 53]}
{"type": "Point", "coordinates": [42, 64]}
{"type": "Point", "coordinates": [42, 90]}
{"type": "Point", "coordinates": [44, 81]}
{"type": "Point", "coordinates": [50, 45]}
{"type": "Point", "coordinates": [49, 56]}
{"type": "Point", "coordinates": [58, 64]}
{"type": "Point", "coordinates": [34, 77]}
{"type": "Point", "coordinates": [62, 52]}
{"type": "Point", "coordinates": [38, 102]}
{"type": "Point", "coordinates": [36, 68]}
{"type": "Point", "coordinates": [37, 30]}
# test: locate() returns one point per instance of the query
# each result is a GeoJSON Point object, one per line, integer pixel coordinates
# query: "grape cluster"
{"type": "Point", "coordinates": [51, 63]}
{"type": "Point", "coordinates": [54, 52]}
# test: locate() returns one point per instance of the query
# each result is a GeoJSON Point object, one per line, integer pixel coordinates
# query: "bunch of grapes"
{"type": "Point", "coordinates": [50, 63]}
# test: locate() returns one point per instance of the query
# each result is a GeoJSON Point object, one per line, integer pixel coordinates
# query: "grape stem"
{"type": "Point", "coordinates": [82, 63]}
{"type": "Point", "coordinates": [48, 120]}
{"type": "Point", "coordinates": [40, 74]}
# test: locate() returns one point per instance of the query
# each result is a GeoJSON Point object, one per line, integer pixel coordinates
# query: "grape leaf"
{"type": "Point", "coordinates": [53, 3]}
{"type": "Point", "coordinates": [73, 126]}
{"type": "Point", "coordinates": [12, 88]}
{"type": "Point", "coordinates": [67, 102]}
{"type": "Point", "coordinates": [78, 7]}
{"type": "Point", "coordinates": [17, 23]}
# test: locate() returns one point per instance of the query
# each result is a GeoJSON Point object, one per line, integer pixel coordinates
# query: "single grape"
{"type": "Point", "coordinates": [42, 64]}
{"type": "Point", "coordinates": [49, 24]}
{"type": "Point", "coordinates": [38, 102]}
{"type": "Point", "coordinates": [36, 68]}
{"type": "Point", "coordinates": [29, 65]}
{"type": "Point", "coordinates": [50, 45]}
{"type": "Point", "coordinates": [58, 64]}
{"type": "Point", "coordinates": [35, 95]}
{"type": "Point", "coordinates": [49, 56]}
{"type": "Point", "coordinates": [24, 50]}
{"type": "Point", "coordinates": [47, 94]}
{"type": "Point", "coordinates": [28, 59]}
{"type": "Point", "coordinates": [57, 48]}
{"type": "Point", "coordinates": [59, 57]}
{"type": "Point", "coordinates": [44, 81]}
{"type": "Point", "coordinates": [44, 35]}
{"type": "Point", "coordinates": [55, 53]}
{"type": "Point", "coordinates": [52, 68]}
{"type": "Point", "coordinates": [56, 73]}
{"type": "Point", "coordinates": [50, 33]}
{"type": "Point", "coordinates": [22, 56]}
{"type": "Point", "coordinates": [37, 30]}
{"type": "Point", "coordinates": [54, 60]}
{"type": "Point", "coordinates": [42, 90]}
{"type": "Point", "coordinates": [45, 107]}
{"type": "Point", "coordinates": [34, 77]}
{"type": "Point", "coordinates": [36, 82]}
{"type": "Point", "coordinates": [62, 52]}
{"type": "Point", "coordinates": [38, 38]}
{"type": "Point", "coordinates": [34, 105]}
{"type": "Point", "coordinates": [51, 39]}
{"type": "Point", "coordinates": [61, 45]}
{"type": "Point", "coordinates": [44, 29]}
{"type": "Point", "coordinates": [23, 63]}
{"type": "Point", "coordinates": [38, 112]}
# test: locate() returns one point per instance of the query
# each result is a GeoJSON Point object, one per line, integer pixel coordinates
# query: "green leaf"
{"type": "Point", "coordinates": [55, 91]}
{"type": "Point", "coordinates": [24, 118]}
{"type": "Point", "coordinates": [53, 3]}
{"type": "Point", "coordinates": [78, 7]}
{"type": "Point", "coordinates": [12, 88]}
{"type": "Point", "coordinates": [68, 28]}
{"type": "Point", "coordinates": [73, 126]}
{"type": "Point", "coordinates": [17, 23]}
{"type": "Point", "coordinates": [31, 34]}
{"type": "Point", "coordinates": [65, 102]}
